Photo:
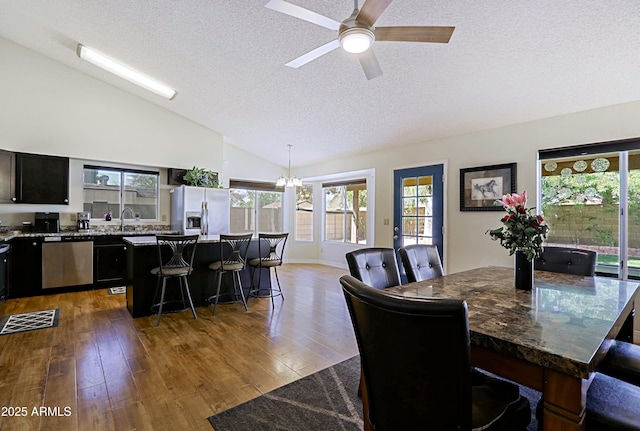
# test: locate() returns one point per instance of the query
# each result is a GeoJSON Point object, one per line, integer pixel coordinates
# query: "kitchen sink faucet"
{"type": "Point", "coordinates": [122, 217]}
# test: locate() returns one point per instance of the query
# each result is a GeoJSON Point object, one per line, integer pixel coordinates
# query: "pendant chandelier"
{"type": "Point", "coordinates": [290, 181]}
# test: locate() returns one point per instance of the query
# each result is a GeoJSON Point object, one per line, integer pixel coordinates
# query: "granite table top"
{"type": "Point", "coordinates": [565, 323]}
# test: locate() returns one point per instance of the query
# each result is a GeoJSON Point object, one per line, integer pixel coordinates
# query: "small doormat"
{"type": "Point", "coordinates": [117, 290]}
{"type": "Point", "coordinates": [29, 321]}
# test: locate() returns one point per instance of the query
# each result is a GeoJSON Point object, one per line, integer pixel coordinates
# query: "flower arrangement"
{"type": "Point", "coordinates": [522, 230]}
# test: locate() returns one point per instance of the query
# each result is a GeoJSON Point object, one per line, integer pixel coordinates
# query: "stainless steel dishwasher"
{"type": "Point", "coordinates": [67, 261]}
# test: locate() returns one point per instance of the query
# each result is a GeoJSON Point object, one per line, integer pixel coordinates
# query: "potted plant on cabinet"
{"type": "Point", "coordinates": [201, 177]}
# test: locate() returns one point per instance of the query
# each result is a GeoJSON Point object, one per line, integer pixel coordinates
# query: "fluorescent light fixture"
{"type": "Point", "coordinates": [131, 75]}
{"type": "Point", "coordinates": [356, 40]}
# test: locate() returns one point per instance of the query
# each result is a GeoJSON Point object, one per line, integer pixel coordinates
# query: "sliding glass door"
{"type": "Point", "coordinates": [633, 218]}
{"type": "Point", "coordinates": [592, 201]}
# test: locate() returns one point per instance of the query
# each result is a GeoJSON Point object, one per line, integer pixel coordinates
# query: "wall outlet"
{"type": "Point", "coordinates": [386, 222]}
{"type": "Point", "coordinates": [73, 217]}
{"type": "Point", "coordinates": [164, 217]}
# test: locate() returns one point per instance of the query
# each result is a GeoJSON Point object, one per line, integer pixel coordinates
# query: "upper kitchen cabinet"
{"type": "Point", "coordinates": [7, 168]}
{"type": "Point", "coordinates": [41, 179]}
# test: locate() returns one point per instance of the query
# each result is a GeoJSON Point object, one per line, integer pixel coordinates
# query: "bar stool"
{"type": "Point", "coordinates": [276, 242]}
{"type": "Point", "coordinates": [180, 265]}
{"type": "Point", "coordinates": [233, 255]}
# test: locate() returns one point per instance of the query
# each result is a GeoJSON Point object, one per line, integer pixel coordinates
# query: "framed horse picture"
{"type": "Point", "coordinates": [480, 187]}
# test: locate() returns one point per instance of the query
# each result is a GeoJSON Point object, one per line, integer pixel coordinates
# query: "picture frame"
{"type": "Point", "coordinates": [480, 187]}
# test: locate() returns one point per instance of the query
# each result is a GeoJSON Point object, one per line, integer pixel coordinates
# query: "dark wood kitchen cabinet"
{"type": "Point", "coordinates": [110, 260]}
{"type": "Point", "coordinates": [26, 274]}
{"type": "Point", "coordinates": [41, 179]}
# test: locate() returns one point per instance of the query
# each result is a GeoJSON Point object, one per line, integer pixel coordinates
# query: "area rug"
{"type": "Point", "coordinates": [326, 400]}
{"type": "Point", "coordinates": [117, 290]}
{"type": "Point", "coordinates": [29, 321]}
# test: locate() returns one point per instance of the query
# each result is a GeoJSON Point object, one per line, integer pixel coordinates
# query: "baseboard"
{"type": "Point", "coordinates": [319, 262]}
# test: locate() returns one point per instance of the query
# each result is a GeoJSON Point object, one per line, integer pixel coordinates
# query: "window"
{"type": "Point", "coordinates": [113, 190]}
{"type": "Point", "coordinates": [304, 213]}
{"type": "Point", "coordinates": [255, 207]}
{"type": "Point", "coordinates": [346, 211]}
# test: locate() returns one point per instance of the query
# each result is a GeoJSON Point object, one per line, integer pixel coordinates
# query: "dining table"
{"type": "Point", "coordinates": [550, 338]}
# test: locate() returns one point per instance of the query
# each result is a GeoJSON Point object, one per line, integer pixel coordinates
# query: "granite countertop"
{"type": "Point", "coordinates": [146, 240]}
{"type": "Point", "coordinates": [6, 236]}
{"type": "Point", "coordinates": [564, 323]}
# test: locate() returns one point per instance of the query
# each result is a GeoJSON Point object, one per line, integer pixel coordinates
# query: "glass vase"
{"type": "Point", "coordinates": [523, 271]}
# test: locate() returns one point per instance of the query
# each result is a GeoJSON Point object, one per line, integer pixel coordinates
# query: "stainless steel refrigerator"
{"type": "Point", "coordinates": [200, 210]}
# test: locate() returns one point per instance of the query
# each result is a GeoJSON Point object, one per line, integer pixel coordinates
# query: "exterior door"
{"type": "Point", "coordinates": [418, 208]}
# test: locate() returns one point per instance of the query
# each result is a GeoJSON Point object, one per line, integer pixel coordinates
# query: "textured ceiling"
{"type": "Point", "coordinates": [507, 62]}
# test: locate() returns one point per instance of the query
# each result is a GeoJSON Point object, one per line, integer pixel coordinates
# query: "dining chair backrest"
{"type": "Point", "coordinates": [183, 248]}
{"type": "Point", "coordinates": [412, 384]}
{"type": "Point", "coordinates": [375, 266]}
{"type": "Point", "coordinates": [567, 260]}
{"type": "Point", "coordinates": [421, 262]}
{"type": "Point", "coordinates": [415, 358]}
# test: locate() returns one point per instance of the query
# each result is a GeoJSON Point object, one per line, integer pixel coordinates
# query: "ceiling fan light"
{"type": "Point", "coordinates": [356, 40]}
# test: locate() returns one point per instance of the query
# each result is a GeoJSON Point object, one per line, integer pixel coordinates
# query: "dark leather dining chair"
{"type": "Point", "coordinates": [374, 266]}
{"type": "Point", "coordinates": [421, 262]}
{"type": "Point", "coordinates": [416, 360]}
{"type": "Point", "coordinates": [623, 362]}
{"type": "Point", "coordinates": [567, 261]}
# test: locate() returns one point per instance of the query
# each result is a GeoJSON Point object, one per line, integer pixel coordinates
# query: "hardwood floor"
{"type": "Point", "coordinates": [112, 372]}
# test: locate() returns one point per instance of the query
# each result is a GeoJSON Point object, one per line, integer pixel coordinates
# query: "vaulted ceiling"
{"type": "Point", "coordinates": [507, 62]}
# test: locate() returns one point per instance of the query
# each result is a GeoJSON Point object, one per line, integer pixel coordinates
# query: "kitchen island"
{"type": "Point", "coordinates": [142, 256]}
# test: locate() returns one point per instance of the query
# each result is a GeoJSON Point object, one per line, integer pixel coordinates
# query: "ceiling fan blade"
{"type": "Point", "coordinates": [371, 11]}
{"type": "Point", "coordinates": [302, 13]}
{"type": "Point", "coordinates": [369, 63]}
{"type": "Point", "coordinates": [312, 55]}
{"type": "Point", "coordinates": [414, 34]}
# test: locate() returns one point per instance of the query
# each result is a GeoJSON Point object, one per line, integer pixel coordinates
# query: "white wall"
{"type": "Point", "coordinates": [49, 108]}
{"type": "Point", "coordinates": [241, 165]}
{"type": "Point", "coordinates": [466, 244]}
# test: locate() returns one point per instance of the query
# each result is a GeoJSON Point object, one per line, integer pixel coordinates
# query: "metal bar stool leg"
{"type": "Point", "coordinates": [237, 285]}
{"type": "Point", "coordinates": [164, 284]}
{"type": "Point", "coordinates": [278, 280]}
{"type": "Point", "coordinates": [193, 309]}
{"type": "Point", "coordinates": [218, 283]}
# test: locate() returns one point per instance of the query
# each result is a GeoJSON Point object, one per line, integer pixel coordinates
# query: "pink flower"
{"type": "Point", "coordinates": [514, 200]}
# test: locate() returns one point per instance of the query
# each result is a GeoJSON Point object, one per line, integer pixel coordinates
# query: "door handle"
{"type": "Point", "coordinates": [395, 237]}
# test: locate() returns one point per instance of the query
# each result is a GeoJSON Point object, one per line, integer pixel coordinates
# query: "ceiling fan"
{"type": "Point", "coordinates": [356, 34]}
